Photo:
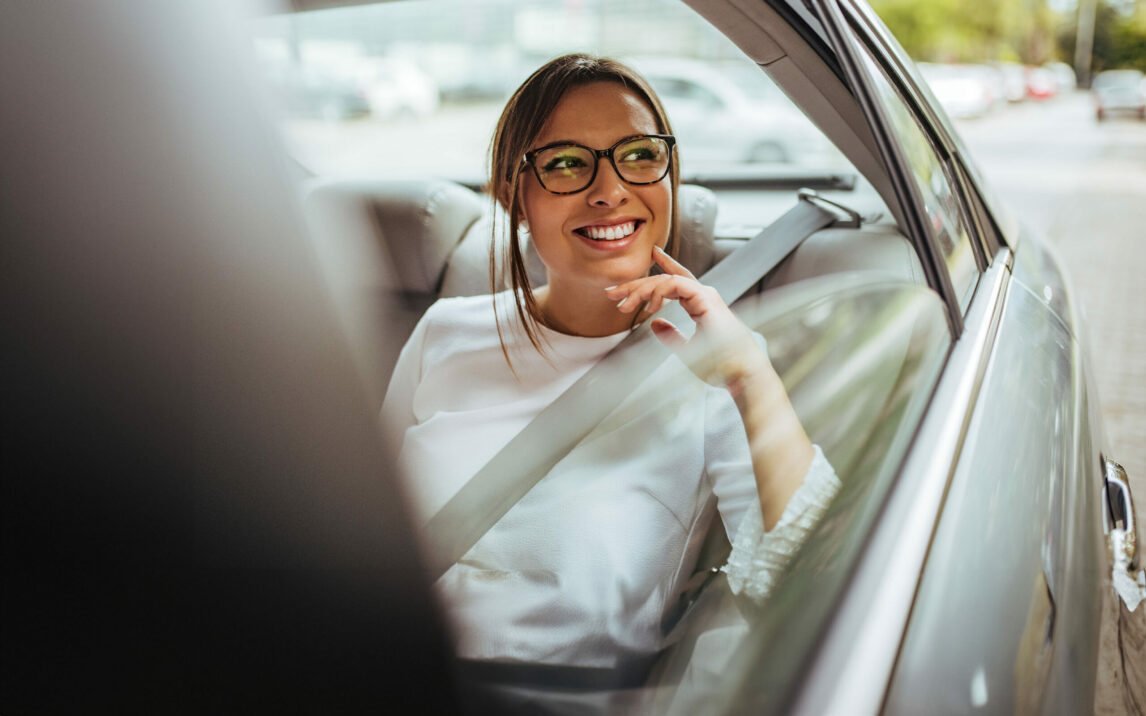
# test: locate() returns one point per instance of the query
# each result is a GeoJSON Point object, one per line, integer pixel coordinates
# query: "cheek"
{"type": "Point", "coordinates": [659, 201]}
{"type": "Point", "coordinates": [544, 214]}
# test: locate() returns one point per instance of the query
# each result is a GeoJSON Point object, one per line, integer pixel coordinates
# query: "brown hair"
{"type": "Point", "coordinates": [520, 124]}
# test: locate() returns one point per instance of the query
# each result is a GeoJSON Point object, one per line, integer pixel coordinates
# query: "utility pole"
{"type": "Point", "coordinates": [1084, 41]}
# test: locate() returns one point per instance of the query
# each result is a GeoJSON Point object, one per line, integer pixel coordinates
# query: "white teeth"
{"type": "Point", "coordinates": [610, 233]}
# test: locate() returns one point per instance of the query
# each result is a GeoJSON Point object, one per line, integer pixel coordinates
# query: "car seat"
{"type": "Point", "coordinates": [392, 247]}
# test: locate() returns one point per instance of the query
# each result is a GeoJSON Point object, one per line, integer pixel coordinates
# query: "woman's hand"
{"type": "Point", "coordinates": [723, 351]}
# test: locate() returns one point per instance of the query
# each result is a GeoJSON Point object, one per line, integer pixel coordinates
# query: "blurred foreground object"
{"type": "Point", "coordinates": [197, 512]}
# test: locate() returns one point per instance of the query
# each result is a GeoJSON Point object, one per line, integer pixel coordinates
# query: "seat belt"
{"type": "Point", "coordinates": [541, 444]}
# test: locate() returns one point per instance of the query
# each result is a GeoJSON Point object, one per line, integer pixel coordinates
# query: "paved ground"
{"type": "Point", "coordinates": [1083, 185]}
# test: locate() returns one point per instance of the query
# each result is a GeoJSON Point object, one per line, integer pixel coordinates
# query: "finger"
{"type": "Point", "coordinates": [665, 287]}
{"type": "Point", "coordinates": [668, 334]}
{"type": "Point", "coordinates": [695, 298]}
{"type": "Point", "coordinates": [640, 291]}
{"type": "Point", "coordinates": [669, 264]}
{"type": "Point", "coordinates": [624, 289]}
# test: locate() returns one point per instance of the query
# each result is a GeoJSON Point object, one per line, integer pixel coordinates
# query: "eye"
{"type": "Point", "coordinates": [638, 154]}
{"type": "Point", "coordinates": [563, 162]}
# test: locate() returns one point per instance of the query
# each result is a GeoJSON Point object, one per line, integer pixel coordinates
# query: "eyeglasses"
{"type": "Point", "coordinates": [565, 168]}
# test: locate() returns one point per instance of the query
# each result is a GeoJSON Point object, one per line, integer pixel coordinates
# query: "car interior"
{"type": "Point", "coordinates": [430, 238]}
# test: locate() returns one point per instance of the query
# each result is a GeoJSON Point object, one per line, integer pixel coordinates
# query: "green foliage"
{"type": "Point", "coordinates": [1128, 48]}
{"type": "Point", "coordinates": [1024, 31]}
{"type": "Point", "coordinates": [1119, 37]}
{"type": "Point", "coordinates": [971, 30]}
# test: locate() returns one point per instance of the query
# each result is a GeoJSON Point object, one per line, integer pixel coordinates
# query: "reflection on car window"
{"type": "Point", "coordinates": [945, 216]}
{"type": "Point", "coordinates": [859, 361]}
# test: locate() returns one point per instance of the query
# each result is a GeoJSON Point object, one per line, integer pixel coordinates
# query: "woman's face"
{"type": "Point", "coordinates": [570, 231]}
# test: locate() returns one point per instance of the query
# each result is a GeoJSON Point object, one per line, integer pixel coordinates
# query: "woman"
{"type": "Point", "coordinates": [586, 568]}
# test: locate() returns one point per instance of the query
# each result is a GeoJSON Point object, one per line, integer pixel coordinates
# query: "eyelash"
{"type": "Point", "coordinates": [571, 162]}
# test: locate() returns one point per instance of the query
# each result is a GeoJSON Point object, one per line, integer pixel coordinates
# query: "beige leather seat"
{"type": "Point", "coordinates": [424, 239]}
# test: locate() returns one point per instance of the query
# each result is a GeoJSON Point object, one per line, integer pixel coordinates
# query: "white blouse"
{"type": "Point", "coordinates": [586, 567]}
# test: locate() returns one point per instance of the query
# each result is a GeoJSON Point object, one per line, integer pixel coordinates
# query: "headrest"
{"type": "Point", "coordinates": [435, 234]}
{"type": "Point", "coordinates": [415, 223]}
{"type": "Point", "coordinates": [468, 272]}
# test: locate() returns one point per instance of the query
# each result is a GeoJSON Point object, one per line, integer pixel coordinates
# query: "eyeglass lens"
{"type": "Point", "coordinates": [569, 168]}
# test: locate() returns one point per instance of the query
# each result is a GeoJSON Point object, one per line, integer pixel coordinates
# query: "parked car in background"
{"type": "Point", "coordinates": [724, 115]}
{"type": "Point", "coordinates": [1064, 76]}
{"type": "Point", "coordinates": [1041, 83]}
{"type": "Point", "coordinates": [396, 88]}
{"type": "Point", "coordinates": [201, 516]}
{"type": "Point", "coordinates": [1014, 80]}
{"type": "Point", "coordinates": [316, 95]}
{"type": "Point", "coordinates": [1119, 92]}
{"type": "Point", "coordinates": [964, 91]}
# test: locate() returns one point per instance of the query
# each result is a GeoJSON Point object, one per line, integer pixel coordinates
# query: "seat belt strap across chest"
{"type": "Point", "coordinates": [557, 429]}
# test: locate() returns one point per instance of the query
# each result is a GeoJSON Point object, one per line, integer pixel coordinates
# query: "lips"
{"type": "Point", "coordinates": [610, 232]}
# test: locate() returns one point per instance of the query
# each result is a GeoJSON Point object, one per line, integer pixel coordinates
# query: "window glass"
{"type": "Point", "coordinates": [415, 89]}
{"type": "Point", "coordinates": [945, 217]}
{"type": "Point", "coordinates": [859, 362]}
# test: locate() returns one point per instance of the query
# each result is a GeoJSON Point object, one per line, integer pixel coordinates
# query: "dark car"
{"type": "Point", "coordinates": [200, 514]}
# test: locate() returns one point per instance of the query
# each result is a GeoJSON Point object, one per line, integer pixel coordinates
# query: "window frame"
{"type": "Point", "coordinates": [988, 235]}
{"type": "Point", "coordinates": [849, 38]}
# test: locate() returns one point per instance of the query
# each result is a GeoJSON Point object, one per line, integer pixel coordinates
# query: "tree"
{"type": "Point", "coordinates": [1119, 35]}
{"type": "Point", "coordinates": [960, 31]}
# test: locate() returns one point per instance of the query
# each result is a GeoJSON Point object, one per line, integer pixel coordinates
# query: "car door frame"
{"type": "Point", "coordinates": [856, 656]}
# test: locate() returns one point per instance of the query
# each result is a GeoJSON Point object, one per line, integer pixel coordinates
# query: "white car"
{"type": "Point", "coordinates": [396, 88]}
{"type": "Point", "coordinates": [965, 91]}
{"type": "Point", "coordinates": [724, 115]}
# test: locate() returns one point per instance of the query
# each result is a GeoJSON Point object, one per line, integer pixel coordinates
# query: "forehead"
{"type": "Point", "coordinates": [597, 115]}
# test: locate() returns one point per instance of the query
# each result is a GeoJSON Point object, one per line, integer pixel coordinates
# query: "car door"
{"type": "Point", "coordinates": [858, 654]}
{"type": "Point", "coordinates": [1012, 519]}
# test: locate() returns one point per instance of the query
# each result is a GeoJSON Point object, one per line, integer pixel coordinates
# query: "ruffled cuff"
{"type": "Point", "coordinates": [757, 556]}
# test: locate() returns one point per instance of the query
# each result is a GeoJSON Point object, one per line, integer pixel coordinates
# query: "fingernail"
{"type": "Point", "coordinates": [622, 302]}
{"type": "Point", "coordinates": [609, 288]}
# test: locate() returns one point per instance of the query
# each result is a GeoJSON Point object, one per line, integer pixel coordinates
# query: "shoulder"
{"type": "Point", "coordinates": [462, 317]}
{"type": "Point", "coordinates": [464, 326]}
{"type": "Point", "coordinates": [461, 311]}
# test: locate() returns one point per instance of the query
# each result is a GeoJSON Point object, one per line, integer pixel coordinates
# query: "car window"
{"type": "Point", "coordinates": [946, 218]}
{"type": "Point", "coordinates": [859, 362]}
{"type": "Point", "coordinates": [414, 89]}
{"type": "Point", "coordinates": [673, 89]}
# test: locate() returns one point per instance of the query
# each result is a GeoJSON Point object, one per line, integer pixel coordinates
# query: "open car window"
{"type": "Point", "coordinates": [946, 217]}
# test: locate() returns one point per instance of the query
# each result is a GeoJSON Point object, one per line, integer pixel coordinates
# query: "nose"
{"type": "Point", "coordinates": [607, 189]}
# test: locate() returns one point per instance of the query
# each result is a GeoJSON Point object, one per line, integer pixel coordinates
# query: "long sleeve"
{"type": "Point", "coordinates": [398, 406]}
{"type": "Point", "coordinates": [757, 556]}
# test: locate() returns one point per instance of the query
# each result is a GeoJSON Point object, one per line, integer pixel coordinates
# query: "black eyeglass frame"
{"type": "Point", "coordinates": [598, 155]}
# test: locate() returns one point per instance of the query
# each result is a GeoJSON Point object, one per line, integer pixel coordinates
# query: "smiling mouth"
{"type": "Point", "coordinates": [609, 233]}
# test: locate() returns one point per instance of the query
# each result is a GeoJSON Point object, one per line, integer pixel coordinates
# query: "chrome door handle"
{"type": "Point", "coordinates": [1122, 536]}
{"type": "Point", "coordinates": [1122, 532]}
